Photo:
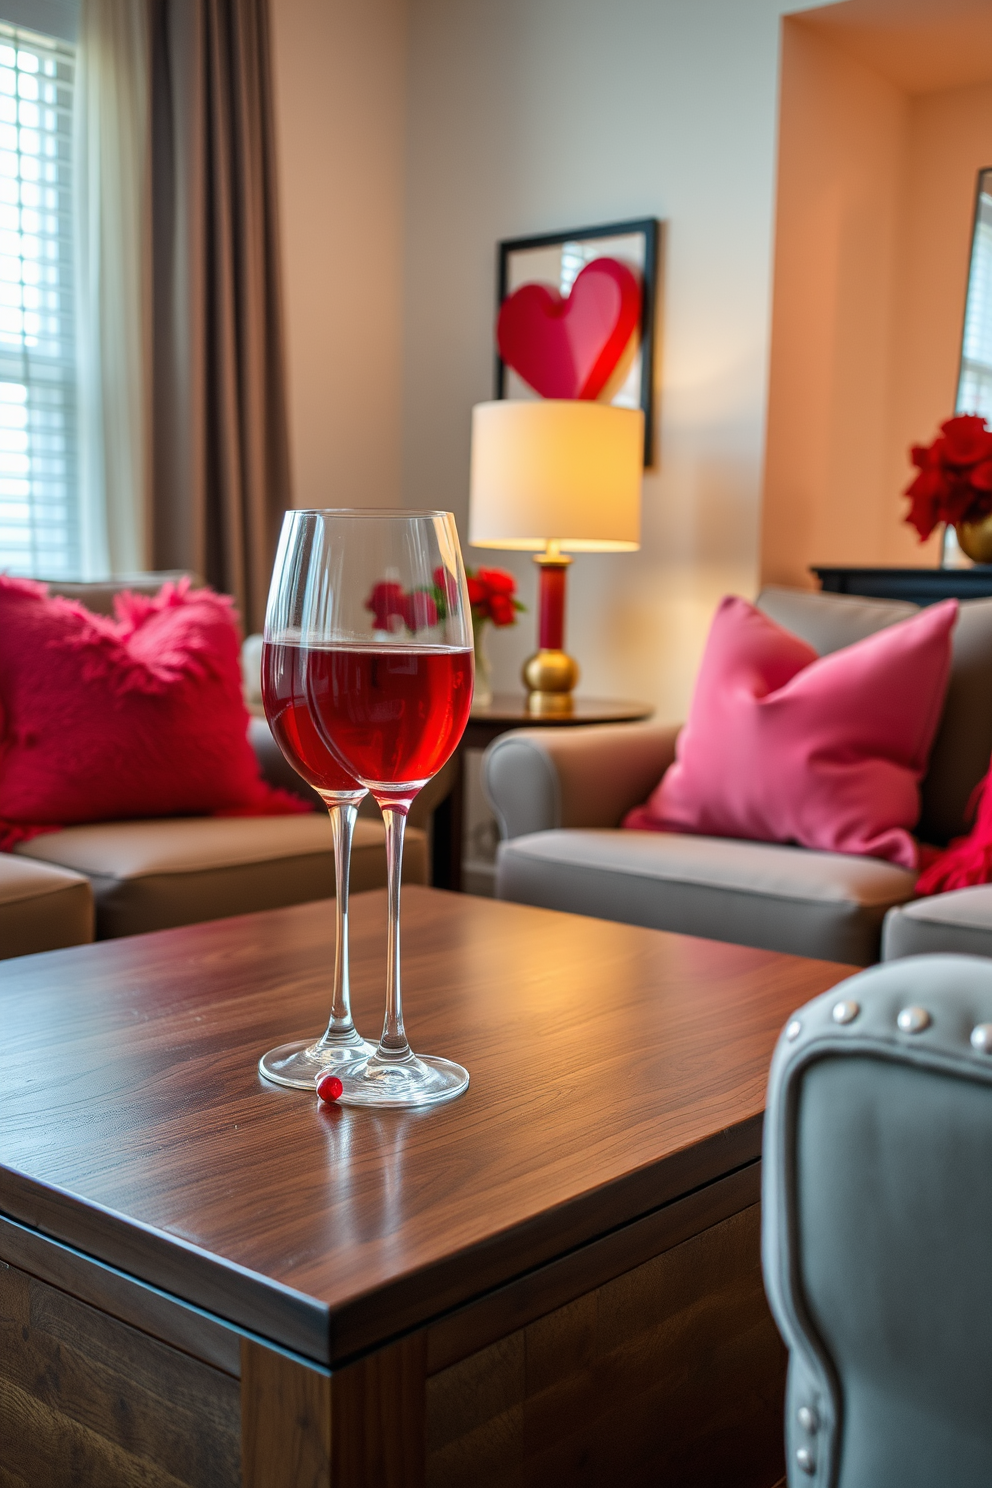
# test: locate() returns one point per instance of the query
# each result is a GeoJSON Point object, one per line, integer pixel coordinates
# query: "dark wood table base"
{"type": "Point", "coordinates": [660, 1364]}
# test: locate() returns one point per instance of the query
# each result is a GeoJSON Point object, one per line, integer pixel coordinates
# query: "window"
{"type": "Point", "coordinates": [39, 519]}
{"type": "Point", "coordinates": [975, 387]}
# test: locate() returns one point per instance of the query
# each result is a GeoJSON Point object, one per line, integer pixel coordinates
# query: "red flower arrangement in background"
{"type": "Point", "coordinates": [955, 480]}
{"type": "Point", "coordinates": [491, 593]}
{"type": "Point", "coordinates": [417, 609]}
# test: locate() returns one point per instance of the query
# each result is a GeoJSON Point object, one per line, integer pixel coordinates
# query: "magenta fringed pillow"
{"type": "Point", "coordinates": [137, 716]}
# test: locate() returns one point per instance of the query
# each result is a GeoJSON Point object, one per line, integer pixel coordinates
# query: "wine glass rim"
{"type": "Point", "coordinates": [367, 511]}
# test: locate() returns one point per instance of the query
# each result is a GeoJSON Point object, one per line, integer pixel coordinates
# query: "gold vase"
{"type": "Point", "coordinates": [975, 539]}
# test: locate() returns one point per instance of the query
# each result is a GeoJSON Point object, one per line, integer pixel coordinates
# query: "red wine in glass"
{"type": "Point", "coordinates": [394, 713]}
{"type": "Point", "coordinates": [285, 702]}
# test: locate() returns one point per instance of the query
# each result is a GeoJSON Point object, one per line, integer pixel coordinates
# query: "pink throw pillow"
{"type": "Point", "coordinates": [782, 745]}
{"type": "Point", "coordinates": [139, 716]}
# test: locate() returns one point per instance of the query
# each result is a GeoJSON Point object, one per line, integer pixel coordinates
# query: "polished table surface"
{"type": "Point", "coordinates": [613, 1070]}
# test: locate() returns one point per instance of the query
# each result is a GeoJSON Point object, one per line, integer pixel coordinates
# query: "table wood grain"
{"type": "Point", "coordinates": [614, 1069]}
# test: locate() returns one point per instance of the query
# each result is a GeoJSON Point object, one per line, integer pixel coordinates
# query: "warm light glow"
{"type": "Point", "coordinates": [562, 471]}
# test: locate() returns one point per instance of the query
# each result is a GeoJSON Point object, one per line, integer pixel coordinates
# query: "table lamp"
{"type": "Point", "coordinates": [551, 477]}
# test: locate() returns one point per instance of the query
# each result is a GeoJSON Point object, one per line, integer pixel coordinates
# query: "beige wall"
{"type": "Point", "coordinates": [339, 87]}
{"type": "Point", "coordinates": [875, 197]}
{"type": "Point", "coordinates": [525, 117]}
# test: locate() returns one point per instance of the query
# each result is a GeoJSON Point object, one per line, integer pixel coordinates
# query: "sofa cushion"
{"type": "Point", "coordinates": [150, 875]}
{"type": "Point", "coordinates": [782, 745]}
{"type": "Point", "coordinates": [963, 744]}
{"type": "Point", "coordinates": [959, 922]}
{"type": "Point", "coordinates": [42, 908]}
{"type": "Point", "coordinates": [760, 894]}
{"type": "Point", "coordinates": [106, 720]}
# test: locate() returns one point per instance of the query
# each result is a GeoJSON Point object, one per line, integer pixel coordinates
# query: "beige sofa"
{"type": "Point", "coordinates": [559, 797]}
{"type": "Point", "coordinates": [124, 878]}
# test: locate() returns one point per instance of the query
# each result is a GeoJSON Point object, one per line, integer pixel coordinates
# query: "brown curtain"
{"type": "Point", "coordinates": [219, 443]}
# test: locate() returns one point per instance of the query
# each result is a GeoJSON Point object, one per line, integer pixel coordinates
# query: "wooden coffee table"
{"type": "Point", "coordinates": [555, 1279]}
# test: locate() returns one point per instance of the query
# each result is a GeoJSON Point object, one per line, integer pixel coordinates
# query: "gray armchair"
{"type": "Point", "coordinates": [559, 796]}
{"type": "Point", "coordinates": [877, 1212]}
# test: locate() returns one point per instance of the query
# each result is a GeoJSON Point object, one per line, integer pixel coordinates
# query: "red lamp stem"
{"type": "Point", "coordinates": [551, 623]}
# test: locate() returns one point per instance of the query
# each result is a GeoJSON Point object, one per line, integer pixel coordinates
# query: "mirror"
{"type": "Point", "coordinates": [975, 381]}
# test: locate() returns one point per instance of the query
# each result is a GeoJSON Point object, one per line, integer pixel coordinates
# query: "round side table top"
{"type": "Point", "coordinates": [511, 708]}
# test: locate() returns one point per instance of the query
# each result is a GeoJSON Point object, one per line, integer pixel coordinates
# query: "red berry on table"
{"type": "Point", "coordinates": [329, 1087]}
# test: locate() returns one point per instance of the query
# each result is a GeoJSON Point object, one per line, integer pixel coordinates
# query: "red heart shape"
{"type": "Point", "coordinates": [567, 348]}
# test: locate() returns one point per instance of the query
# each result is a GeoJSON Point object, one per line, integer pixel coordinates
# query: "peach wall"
{"type": "Point", "coordinates": [874, 201]}
{"type": "Point", "coordinates": [340, 75]}
{"type": "Point", "coordinates": [950, 140]}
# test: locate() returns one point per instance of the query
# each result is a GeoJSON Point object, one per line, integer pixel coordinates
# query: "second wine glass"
{"type": "Point", "coordinates": [297, 1064]}
{"type": "Point", "coordinates": [387, 636]}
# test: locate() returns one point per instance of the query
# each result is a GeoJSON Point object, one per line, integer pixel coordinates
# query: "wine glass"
{"type": "Point", "coordinates": [387, 639]}
{"type": "Point", "coordinates": [284, 698]}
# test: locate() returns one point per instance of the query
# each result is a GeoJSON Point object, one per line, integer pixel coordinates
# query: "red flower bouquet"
{"type": "Point", "coordinates": [955, 476]}
{"type": "Point", "coordinates": [491, 592]}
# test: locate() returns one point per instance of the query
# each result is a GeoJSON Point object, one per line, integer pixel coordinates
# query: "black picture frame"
{"type": "Point", "coordinates": [649, 228]}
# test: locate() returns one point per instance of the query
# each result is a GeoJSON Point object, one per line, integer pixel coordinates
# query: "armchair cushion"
{"type": "Point", "coordinates": [778, 898]}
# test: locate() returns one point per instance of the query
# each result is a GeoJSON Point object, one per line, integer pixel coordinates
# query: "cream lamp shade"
{"type": "Point", "coordinates": [562, 471]}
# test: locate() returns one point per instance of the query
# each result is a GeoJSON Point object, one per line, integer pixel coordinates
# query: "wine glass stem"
{"type": "Point", "coordinates": [342, 814]}
{"type": "Point", "coordinates": [393, 1045]}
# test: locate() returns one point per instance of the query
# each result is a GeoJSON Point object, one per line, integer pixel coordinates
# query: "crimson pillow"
{"type": "Point", "coordinates": [139, 716]}
{"type": "Point", "coordinates": [782, 745]}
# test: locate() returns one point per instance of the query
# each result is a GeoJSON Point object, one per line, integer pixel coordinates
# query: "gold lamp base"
{"type": "Point", "coordinates": [549, 677]}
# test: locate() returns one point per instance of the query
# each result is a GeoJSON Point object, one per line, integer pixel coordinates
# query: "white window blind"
{"type": "Point", "coordinates": [39, 519]}
{"type": "Point", "coordinates": [975, 389]}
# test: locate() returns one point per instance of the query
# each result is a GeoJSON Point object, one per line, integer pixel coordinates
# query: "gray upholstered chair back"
{"type": "Point", "coordinates": [877, 1239]}
{"type": "Point", "coordinates": [963, 744]}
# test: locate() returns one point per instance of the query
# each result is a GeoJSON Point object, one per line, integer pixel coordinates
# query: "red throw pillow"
{"type": "Point", "coordinates": [139, 716]}
{"type": "Point", "coordinates": [782, 745]}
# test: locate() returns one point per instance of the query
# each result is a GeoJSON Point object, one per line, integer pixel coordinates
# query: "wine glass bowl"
{"type": "Point", "coordinates": [388, 674]}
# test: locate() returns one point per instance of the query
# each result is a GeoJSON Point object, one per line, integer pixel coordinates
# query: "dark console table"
{"type": "Point", "coordinates": [923, 586]}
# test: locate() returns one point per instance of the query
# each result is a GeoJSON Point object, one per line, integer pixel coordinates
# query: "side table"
{"type": "Point", "coordinates": [508, 710]}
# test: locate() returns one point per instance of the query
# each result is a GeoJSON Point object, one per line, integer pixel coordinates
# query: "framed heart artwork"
{"type": "Point", "coordinates": [575, 316]}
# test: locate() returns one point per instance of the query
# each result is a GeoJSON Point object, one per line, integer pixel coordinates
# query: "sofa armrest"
{"type": "Point", "coordinates": [539, 779]}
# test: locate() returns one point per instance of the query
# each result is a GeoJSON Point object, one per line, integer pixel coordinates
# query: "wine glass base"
{"type": "Point", "coordinates": [298, 1064]}
{"type": "Point", "coordinates": [420, 1080]}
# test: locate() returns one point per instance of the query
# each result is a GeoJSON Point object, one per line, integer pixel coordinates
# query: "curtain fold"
{"type": "Point", "coordinates": [112, 324]}
{"type": "Point", "coordinates": [219, 441]}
